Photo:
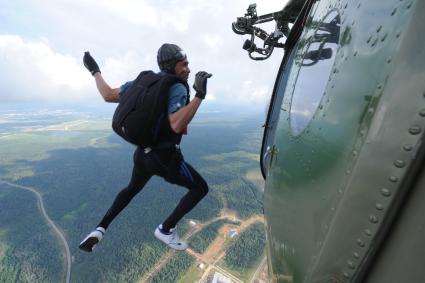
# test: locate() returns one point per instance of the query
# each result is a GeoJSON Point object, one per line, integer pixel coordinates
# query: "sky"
{"type": "Point", "coordinates": [42, 44]}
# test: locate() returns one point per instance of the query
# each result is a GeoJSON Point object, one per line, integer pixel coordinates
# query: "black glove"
{"type": "Point", "coordinates": [200, 84]}
{"type": "Point", "coordinates": [90, 63]}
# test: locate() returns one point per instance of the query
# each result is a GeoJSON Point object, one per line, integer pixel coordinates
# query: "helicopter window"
{"type": "Point", "coordinates": [315, 65]}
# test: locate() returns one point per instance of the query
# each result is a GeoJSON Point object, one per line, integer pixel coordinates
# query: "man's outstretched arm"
{"type": "Point", "coordinates": [109, 94]}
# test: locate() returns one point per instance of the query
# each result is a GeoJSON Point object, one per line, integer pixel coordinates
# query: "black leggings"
{"type": "Point", "coordinates": [167, 164]}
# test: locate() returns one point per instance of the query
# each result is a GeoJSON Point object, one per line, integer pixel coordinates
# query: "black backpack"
{"type": "Point", "coordinates": [140, 113]}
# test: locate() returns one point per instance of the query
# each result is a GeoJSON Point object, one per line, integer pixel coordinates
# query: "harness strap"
{"type": "Point", "coordinates": [161, 146]}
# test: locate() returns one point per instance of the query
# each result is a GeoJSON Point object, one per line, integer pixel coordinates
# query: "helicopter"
{"type": "Point", "coordinates": [343, 150]}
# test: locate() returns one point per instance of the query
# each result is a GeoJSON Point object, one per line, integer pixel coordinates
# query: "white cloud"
{"type": "Point", "coordinates": [212, 41]}
{"type": "Point", "coordinates": [211, 97]}
{"type": "Point", "coordinates": [31, 70]}
{"type": "Point", "coordinates": [174, 14]}
{"type": "Point", "coordinates": [136, 11]}
{"type": "Point", "coordinates": [42, 58]}
{"type": "Point", "coordinates": [254, 93]}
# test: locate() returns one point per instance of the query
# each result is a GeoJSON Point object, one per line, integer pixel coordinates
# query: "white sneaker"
{"type": "Point", "coordinates": [89, 242]}
{"type": "Point", "coordinates": [172, 240]}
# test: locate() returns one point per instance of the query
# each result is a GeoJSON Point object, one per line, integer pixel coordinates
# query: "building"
{"type": "Point", "coordinates": [220, 278]}
{"type": "Point", "coordinates": [233, 233]}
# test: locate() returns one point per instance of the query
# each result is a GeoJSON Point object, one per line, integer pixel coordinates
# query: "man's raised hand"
{"type": "Point", "coordinates": [90, 63]}
{"type": "Point", "coordinates": [200, 84]}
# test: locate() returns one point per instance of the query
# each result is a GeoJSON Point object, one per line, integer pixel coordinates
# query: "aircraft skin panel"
{"type": "Point", "coordinates": [401, 257]}
{"type": "Point", "coordinates": [345, 137]}
{"type": "Point", "coordinates": [403, 254]}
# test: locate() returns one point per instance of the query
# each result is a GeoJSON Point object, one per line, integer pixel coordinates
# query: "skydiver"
{"type": "Point", "coordinates": [166, 162]}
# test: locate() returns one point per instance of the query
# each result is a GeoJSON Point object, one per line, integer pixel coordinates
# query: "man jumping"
{"type": "Point", "coordinates": [165, 159]}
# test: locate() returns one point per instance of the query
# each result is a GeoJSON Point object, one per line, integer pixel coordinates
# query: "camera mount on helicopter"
{"type": "Point", "coordinates": [246, 25]}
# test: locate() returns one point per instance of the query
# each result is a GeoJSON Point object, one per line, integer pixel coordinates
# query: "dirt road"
{"type": "Point", "coordinates": [51, 224]}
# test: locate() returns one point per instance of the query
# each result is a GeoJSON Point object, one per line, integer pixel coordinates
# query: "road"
{"type": "Point", "coordinates": [257, 272]}
{"type": "Point", "coordinates": [51, 224]}
{"type": "Point", "coordinates": [243, 225]}
{"type": "Point", "coordinates": [168, 254]}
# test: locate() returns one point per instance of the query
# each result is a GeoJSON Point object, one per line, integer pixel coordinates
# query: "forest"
{"type": "Point", "coordinates": [29, 252]}
{"type": "Point", "coordinates": [244, 252]}
{"type": "Point", "coordinates": [79, 181]}
{"type": "Point", "coordinates": [173, 269]}
{"type": "Point", "coordinates": [203, 239]}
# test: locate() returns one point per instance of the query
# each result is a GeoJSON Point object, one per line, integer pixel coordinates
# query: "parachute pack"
{"type": "Point", "coordinates": [138, 117]}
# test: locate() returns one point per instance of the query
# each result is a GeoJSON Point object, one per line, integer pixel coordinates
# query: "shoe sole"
{"type": "Point", "coordinates": [88, 244]}
{"type": "Point", "coordinates": [173, 247]}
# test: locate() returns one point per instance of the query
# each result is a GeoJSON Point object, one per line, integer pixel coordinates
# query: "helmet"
{"type": "Point", "coordinates": [168, 56]}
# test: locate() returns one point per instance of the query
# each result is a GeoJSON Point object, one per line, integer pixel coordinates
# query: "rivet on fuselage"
{"type": "Point", "coordinates": [379, 87]}
{"type": "Point", "coordinates": [379, 29]}
{"type": "Point", "coordinates": [415, 130]}
{"type": "Point", "coordinates": [369, 39]}
{"type": "Point", "coordinates": [356, 255]}
{"type": "Point", "coordinates": [351, 265]}
{"type": "Point", "coordinates": [355, 54]}
{"type": "Point", "coordinates": [399, 163]}
{"type": "Point", "coordinates": [393, 179]}
{"type": "Point", "coordinates": [379, 206]}
{"type": "Point", "coordinates": [354, 152]}
{"type": "Point", "coordinates": [384, 37]}
{"type": "Point", "coordinates": [373, 219]}
{"type": "Point", "coordinates": [360, 243]}
{"type": "Point", "coordinates": [346, 275]}
{"type": "Point", "coordinates": [385, 192]}
{"type": "Point", "coordinates": [407, 147]}
{"type": "Point", "coordinates": [398, 34]}
{"type": "Point", "coordinates": [368, 232]}
{"type": "Point", "coordinates": [409, 5]}
{"type": "Point", "coordinates": [374, 42]}
{"type": "Point", "coordinates": [422, 113]}
{"type": "Point", "coordinates": [389, 60]}
{"type": "Point", "coordinates": [348, 172]}
{"type": "Point", "coordinates": [394, 11]}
